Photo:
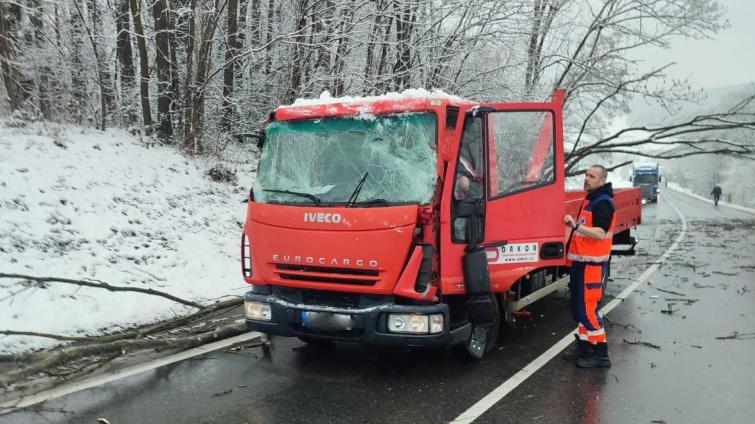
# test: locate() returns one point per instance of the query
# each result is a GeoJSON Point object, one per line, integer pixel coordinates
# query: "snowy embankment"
{"type": "Point", "coordinates": [85, 204]}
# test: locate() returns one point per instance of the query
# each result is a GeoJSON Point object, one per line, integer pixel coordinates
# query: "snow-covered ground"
{"type": "Point", "coordinates": [85, 204]}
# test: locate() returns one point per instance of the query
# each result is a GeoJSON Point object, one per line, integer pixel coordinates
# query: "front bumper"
{"type": "Point", "coordinates": [368, 319]}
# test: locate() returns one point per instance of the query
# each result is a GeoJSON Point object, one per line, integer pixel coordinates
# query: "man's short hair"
{"type": "Point", "coordinates": [603, 170]}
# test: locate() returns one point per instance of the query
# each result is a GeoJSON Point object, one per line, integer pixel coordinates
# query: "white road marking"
{"type": "Point", "coordinates": [512, 383]}
{"type": "Point", "coordinates": [67, 389]}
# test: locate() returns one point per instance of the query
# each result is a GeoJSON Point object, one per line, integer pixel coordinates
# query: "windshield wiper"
{"type": "Point", "coordinates": [372, 202]}
{"type": "Point", "coordinates": [353, 198]}
{"type": "Point", "coordinates": [312, 197]}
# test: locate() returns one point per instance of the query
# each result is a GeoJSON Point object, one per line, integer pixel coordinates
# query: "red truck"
{"type": "Point", "coordinates": [414, 220]}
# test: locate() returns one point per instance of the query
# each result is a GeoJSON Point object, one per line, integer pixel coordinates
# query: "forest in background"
{"type": "Point", "coordinates": [191, 72]}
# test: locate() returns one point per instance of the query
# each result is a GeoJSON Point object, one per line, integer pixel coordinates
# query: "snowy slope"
{"type": "Point", "coordinates": [84, 204]}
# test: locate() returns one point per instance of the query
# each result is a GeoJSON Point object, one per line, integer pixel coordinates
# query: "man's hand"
{"type": "Point", "coordinates": [569, 221]}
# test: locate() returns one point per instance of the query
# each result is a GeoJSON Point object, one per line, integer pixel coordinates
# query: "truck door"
{"type": "Point", "coordinates": [524, 211]}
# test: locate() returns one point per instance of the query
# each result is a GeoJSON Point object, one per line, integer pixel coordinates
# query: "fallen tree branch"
{"type": "Point", "coordinates": [638, 342]}
{"type": "Point", "coordinates": [45, 360]}
{"type": "Point", "coordinates": [101, 285]}
{"type": "Point", "coordinates": [131, 334]}
{"type": "Point", "coordinates": [681, 299]}
{"type": "Point", "coordinates": [737, 336]}
{"type": "Point", "coordinates": [671, 292]}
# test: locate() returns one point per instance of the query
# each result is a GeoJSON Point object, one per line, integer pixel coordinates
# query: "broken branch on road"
{"type": "Point", "coordinates": [50, 358]}
{"type": "Point", "coordinates": [737, 336]}
{"type": "Point", "coordinates": [639, 342]}
{"type": "Point", "coordinates": [681, 299]}
{"type": "Point", "coordinates": [671, 292]}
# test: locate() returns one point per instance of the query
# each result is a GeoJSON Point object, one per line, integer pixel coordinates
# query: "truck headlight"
{"type": "Point", "coordinates": [415, 323]}
{"type": "Point", "coordinates": [258, 311]}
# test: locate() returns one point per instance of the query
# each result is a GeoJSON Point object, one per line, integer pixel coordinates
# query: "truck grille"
{"type": "Point", "coordinates": [326, 298]}
{"type": "Point", "coordinates": [320, 274]}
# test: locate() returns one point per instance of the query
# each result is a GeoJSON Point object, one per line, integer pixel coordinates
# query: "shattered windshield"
{"type": "Point", "coordinates": [380, 160]}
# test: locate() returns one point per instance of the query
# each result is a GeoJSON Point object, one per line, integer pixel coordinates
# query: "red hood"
{"type": "Point", "coordinates": [336, 248]}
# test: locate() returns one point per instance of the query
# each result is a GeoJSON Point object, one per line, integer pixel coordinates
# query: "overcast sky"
{"type": "Point", "coordinates": [727, 59]}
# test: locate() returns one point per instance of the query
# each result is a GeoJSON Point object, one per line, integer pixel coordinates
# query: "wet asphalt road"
{"type": "Point", "coordinates": [692, 377]}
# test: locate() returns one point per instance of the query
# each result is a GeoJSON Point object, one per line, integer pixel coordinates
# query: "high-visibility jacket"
{"type": "Point", "coordinates": [585, 249]}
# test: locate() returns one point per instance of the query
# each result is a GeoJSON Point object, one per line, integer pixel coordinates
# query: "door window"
{"type": "Point", "coordinates": [524, 155]}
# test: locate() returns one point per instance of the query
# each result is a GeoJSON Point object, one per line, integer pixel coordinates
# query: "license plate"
{"type": "Point", "coordinates": [326, 320]}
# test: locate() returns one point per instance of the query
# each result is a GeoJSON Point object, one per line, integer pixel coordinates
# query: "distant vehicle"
{"type": "Point", "coordinates": [647, 178]}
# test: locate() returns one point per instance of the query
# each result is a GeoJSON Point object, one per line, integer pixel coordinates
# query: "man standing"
{"type": "Point", "coordinates": [589, 253]}
{"type": "Point", "coordinates": [716, 194]}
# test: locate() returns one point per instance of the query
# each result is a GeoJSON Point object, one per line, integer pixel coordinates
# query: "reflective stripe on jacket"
{"type": "Point", "coordinates": [585, 249]}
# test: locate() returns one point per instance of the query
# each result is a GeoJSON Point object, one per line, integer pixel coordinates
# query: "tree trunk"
{"type": "Point", "coordinates": [189, 84]}
{"type": "Point", "coordinates": [123, 46]}
{"type": "Point", "coordinates": [78, 82]}
{"type": "Point", "coordinates": [269, 37]}
{"type": "Point", "coordinates": [383, 80]}
{"type": "Point", "coordinates": [372, 40]}
{"type": "Point", "coordinates": [404, 29]}
{"type": "Point", "coordinates": [200, 80]}
{"type": "Point", "coordinates": [107, 96]}
{"type": "Point", "coordinates": [164, 78]}
{"type": "Point", "coordinates": [241, 38]}
{"type": "Point", "coordinates": [136, 14]}
{"type": "Point", "coordinates": [297, 58]}
{"type": "Point", "coordinates": [125, 54]}
{"type": "Point", "coordinates": [10, 14]}
{"type": "Point", "coordinates": [37, 22]}
{"type": "Point", "coordinates": [229, 70]}
{"type": "Point", "coordinates": [346, 27]}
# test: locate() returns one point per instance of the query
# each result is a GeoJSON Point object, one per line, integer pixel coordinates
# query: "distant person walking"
{"type": "Point", "coordinates": [716, 193]}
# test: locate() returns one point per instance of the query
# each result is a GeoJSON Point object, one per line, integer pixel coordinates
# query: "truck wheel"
{"type": "Point", "coordinates": [484, 337]}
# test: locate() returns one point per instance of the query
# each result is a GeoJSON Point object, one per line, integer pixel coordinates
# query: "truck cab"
{"type": "Point", "coordinates": [414, 220]}
{"type": "Point", "coordinates": [647, 178]}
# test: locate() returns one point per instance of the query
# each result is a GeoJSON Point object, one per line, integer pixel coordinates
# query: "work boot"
{"type": "Point", "coordinates": [598, 359]}
{"type": "Point", "coordinates": [582, 349]}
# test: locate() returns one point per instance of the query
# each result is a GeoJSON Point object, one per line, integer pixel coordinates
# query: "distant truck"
{"type": "Point", "coordinates": [409, 220]}
{"type": "Point", "coordinates": [647, 178]}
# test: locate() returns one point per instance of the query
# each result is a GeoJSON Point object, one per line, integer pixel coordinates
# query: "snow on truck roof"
{"type": "Point", "coordinates": [407, 101]}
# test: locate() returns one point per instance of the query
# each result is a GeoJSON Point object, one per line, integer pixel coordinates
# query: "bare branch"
{"type": "Point", "coordinates": [101, 285]}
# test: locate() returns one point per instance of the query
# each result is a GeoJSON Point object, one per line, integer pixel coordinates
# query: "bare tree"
{"type": "Point", "coordinates": [229, 71]}
{"type": "Point", "coordinates": [125, 56]}
{"type": "Point", "coordinates": [10, 14]}
{"type": "Point", "coordinates": [136, 15]}
{"type": "Point", "coordinates": [210, 17]}
{"type": "Point", "coordinates": [162, 63]}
